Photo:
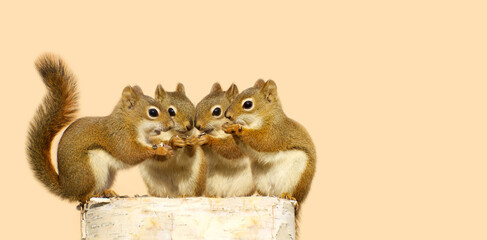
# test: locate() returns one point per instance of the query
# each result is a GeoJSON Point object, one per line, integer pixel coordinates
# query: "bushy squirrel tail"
{"type": "Point", "coordinates": [56, 111]}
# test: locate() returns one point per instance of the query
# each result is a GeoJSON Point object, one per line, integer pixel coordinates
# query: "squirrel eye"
{"type": "Point", "coordinates": [248, 105]}
{"type": "Point", "coordinates": [171, 112]}
{"type": "Point", "coordinates": [153, 112]}
{"type": "Point", "coordinates": [217, 112]}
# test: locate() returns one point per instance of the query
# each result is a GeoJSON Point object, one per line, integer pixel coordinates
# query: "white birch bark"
{"type": "Point", "coordinates": [189, 218]}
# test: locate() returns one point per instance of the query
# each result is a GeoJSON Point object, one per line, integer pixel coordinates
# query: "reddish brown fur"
{"type": "Point", "coordinates": [225, 147]}
{"type": "Point", "coordinates": [116, 134]}
{"type": "Point", "coordinates": [278, 132]}
{"type": "Point", "coordinates": [57, 110]}
{"type": "Point", "coordinates": [193, 146]}
{"type": "Point", "coordinates": [201, 181]}
{"type": "Point", "coordinates": [185, 148]}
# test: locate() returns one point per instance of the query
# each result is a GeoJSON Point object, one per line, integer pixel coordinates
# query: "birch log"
{"type": "Point", "coordinates": [188, 218]}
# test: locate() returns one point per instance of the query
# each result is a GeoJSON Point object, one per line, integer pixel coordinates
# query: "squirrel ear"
{"type": "Point", "coordinates": [180, 89]}
{"type": "Point", "coordinates": [138, 89]}
{"type": "Point", "coordinates": [129, 97]}
{"type": "Point", "coordinates": [216, 88]}
{"type": "Point", "coordinates": [160, 93]}
{"type": "Point", "coordinates": [270, 90]}
{"type": "Point", "coordinates": [232, 91]}
{"type": "Point", "coordinates": [259, 84]}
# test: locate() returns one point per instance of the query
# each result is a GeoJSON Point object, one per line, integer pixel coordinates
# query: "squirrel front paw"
{"type": "Point", "coordinates": [192, 141]}
{"type": "Point", "coordinates": [164, 150]}
{"type": "Point", "coordinates": [177, 142]}
{"type": "Point", "coordinates": [203, 139]}
{"type": "Point", "coordinates": [231, 128]}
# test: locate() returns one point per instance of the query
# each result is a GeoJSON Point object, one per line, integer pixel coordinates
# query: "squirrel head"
{"type": "Point", "coordinates": [210, 110]}
{"type": "Point", "coordinates": [143, 112]}
{"type": "Point", "coordinates": [178, 106]}
{"type": "Point", "coordinates": [255, 105]}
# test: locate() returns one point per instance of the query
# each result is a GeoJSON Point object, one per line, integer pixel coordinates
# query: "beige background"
{"type": "Point", "coordinates": [393, 95]}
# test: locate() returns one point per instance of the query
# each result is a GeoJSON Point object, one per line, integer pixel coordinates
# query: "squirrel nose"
{"type": "Point", "coordinates": [228, 115]}
{"type": "Point", "coordinates": [197, 125]}
{"type": "Point", "coordinates": [170, 125]}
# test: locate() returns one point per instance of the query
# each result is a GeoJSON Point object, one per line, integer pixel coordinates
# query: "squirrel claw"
{"type": "Point", "coordinates": [231, 128]}
{"type": "Point", "coordinates": [164, 150]}
{"type": "Point", "coordinates": [288, 196]}
{"type": "Point", "coordinates": [203, 139]}
{"type": "Point", "coordinates": [108, 193]}
{"type": "Point", "coordinates": [170, 152]}
{"type": "Point", "coordinates": [192, 141]}
{"type": "Point", "coordinates": [177, 141]}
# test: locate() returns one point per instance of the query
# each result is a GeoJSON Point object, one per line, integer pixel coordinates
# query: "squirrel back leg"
{"type": "Point", "coordinates": [79, 184]}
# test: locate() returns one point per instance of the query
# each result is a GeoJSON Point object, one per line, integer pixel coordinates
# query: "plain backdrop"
{"type": "Point", "coordinates": [392, 93]}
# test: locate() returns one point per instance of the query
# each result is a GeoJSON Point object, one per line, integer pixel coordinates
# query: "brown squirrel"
{"type": "Point", "coordinates": [184, 173]}
{"type": "Point", "coordinates": [282, 154]}
{"type": "Point", "coordinates": [91, 149]}
{"type": "Point", "coordinates": [228, 173]}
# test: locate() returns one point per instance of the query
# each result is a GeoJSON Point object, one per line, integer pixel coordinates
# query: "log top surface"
{"type": "Point", "coordinates": [254, 217]}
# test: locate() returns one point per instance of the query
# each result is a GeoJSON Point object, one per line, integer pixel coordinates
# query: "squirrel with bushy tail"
{"type": "Point", "coordinates": [91, 149]}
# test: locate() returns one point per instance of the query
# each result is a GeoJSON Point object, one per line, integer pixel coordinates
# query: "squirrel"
{"type": "Point", "coordinates": [184, 173]}
{"type": "Point", "coordinates": [91, 149]}
{"type": "Point", "coordinates": [281, 151]}
{"type": "Point", "coordinates": [228, 170]}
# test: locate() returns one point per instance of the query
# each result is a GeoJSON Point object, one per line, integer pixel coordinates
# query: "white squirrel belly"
{"type": "Point", "coordinates": [277, 173]}
{"type": "Point", "coordinates": [187, 185]}
{"type": "Point", "coordinates": [160, 176]}
{"type": "Point", "coordinates": [173, 177]}
{"type": "Point", "coordinates": [157, 178]}
{"type": "Point", "coordinates": [104, 166]}
{"type": "Point", "coordinates": [228, 177]}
